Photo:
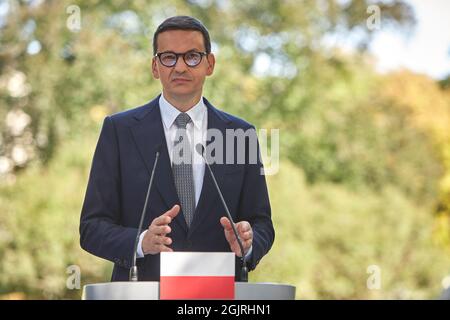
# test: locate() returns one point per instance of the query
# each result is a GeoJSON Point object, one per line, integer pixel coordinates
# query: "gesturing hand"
{"type": "Point", "coordinates": [244, 231]}
{"type": "Point", "coordinates": [155, 240]}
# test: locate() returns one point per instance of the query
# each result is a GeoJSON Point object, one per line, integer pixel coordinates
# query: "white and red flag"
{"type": "Point", "coordinates": [197, 275]}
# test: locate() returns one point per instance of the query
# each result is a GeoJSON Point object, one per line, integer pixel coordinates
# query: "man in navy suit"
{"type": "Point", "coordinates": [185, 212]}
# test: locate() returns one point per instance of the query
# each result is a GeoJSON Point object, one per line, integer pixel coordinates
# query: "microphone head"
{"type": "Point", "coordinates": [157, 148]}
{"type": "Point", "coordinates": [200, 148]}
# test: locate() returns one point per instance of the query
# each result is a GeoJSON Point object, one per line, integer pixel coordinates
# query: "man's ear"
{"type": "Point", "coordinates": [155, 71]}
{"type": "Point", "coordinates": [211, 63]}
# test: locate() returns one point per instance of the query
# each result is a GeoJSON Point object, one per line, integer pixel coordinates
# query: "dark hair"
{"type": "Point", "coordinates": [182, 23]}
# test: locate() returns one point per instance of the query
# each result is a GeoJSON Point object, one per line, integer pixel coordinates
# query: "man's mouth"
{"type": "Point", "coordinates": [180, 80]}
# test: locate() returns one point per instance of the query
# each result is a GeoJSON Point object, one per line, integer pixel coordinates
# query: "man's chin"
{"type": "Point", "coordinates": [182, 92]}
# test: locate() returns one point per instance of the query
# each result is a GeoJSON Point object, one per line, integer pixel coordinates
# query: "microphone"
{"type": "Point", "coordinates": [244, 270]}
{"type": "Point", "coordinates": [133, 269]}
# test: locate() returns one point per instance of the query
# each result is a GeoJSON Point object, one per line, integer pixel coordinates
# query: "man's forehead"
{"type": "Point", "coordinates": [180, 40]}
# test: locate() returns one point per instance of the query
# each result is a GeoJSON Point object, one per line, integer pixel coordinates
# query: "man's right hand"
{"type": "Point", "coordinates": [155, 240]}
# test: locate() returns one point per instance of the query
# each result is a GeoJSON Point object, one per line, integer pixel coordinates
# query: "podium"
{"type": "Point", "coordinates": [149, 290]}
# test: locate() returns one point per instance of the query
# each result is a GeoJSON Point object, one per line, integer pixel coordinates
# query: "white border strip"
{"type": "Point", "coordinates": [197, 264]}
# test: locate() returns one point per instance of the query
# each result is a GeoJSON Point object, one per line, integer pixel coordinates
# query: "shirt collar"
{"type": "Point", "coordinates": [169, 113]}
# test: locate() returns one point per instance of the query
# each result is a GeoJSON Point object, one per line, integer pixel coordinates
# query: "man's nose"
{"type": "Point", "coordinates": [180, 66]}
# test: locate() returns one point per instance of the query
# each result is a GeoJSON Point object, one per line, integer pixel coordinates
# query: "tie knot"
{"type": "Point", "coordinates": [182, 120]}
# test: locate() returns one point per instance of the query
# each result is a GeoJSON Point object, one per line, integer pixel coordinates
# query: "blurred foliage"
{"type": "Point", "coordinates": [326, 248]}
{"type": "Point", "coordinates": [429, 106]}
{"type": "Point", "coordinates": [39, 226]}
{"type": "Point", "coordinates": [365, 172]}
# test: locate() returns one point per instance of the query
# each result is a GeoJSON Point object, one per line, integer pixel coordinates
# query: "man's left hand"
{"type": "Point", "coordinates": [244, 231]}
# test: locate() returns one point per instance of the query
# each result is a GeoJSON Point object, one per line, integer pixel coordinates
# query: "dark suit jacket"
{"type": "Point", "coordinates": [118, 182]}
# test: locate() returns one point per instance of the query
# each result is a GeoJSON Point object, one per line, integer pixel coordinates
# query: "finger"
{"type": "Point", "coordinates": [231, 238]}
{"type": "Point", "coordinates": [225, 222]}
{"type": "Point", "coordinates": [242, 235]}
{"type": "Point", "coordinates": [162, 230]}
{"type": "Point", "coordinates": [167, 216]}
{"type": "Point", "coordinates": [162, 240]}
{"type": "Point", "coordinates": [172, 213]}
{"type": "Point", "coordinates": [162, 220]}
{"type": "Point", "coordinates": [246, 235]}
{"type": "Point", "coordinates": [227, 226]}
{"type": "Point", "coordinates": [243, 226]}
{"type": "Point", "coordinates": [237, 250]}
{"type": "Point", "coordinates": [163, 248]}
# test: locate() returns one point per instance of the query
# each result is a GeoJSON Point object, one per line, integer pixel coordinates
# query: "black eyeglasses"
{"type": "Point", "coordinates": [191, 58]}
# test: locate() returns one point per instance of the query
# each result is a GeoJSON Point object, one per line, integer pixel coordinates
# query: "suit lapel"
{"type": "Point", "coordinates": [148, 134]}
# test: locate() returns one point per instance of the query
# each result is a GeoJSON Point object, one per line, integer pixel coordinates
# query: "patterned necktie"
{"type": "Point", "coordinates": [182, 168]}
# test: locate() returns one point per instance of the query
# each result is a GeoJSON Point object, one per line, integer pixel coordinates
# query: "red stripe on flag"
{"type": "Point", "coordinates": [196, 287]}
